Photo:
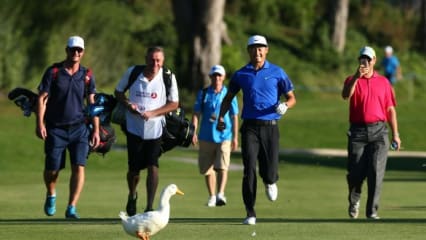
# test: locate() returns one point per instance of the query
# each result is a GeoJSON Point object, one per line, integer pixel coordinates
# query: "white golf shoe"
{"type": "Point", "coordinates": [353, 210]}
{"type": "Point", "coordinates": [250, 221]}
{"type": "Point", "coordinates": [212, 201]}
{"type": "Point", "coordinates": [220, 199]}
{"type": "Point", "coordinates": [271, 191]}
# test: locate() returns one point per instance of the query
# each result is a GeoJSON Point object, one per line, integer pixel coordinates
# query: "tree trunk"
{"type": "Point", "coordinates": [423, 27]}
{"type": "Point", "coordinates": [207, 39]}
{"type": "Point", "coordinates": [200, 23]}
{"type": "Point", "coordinates": [340, 24]}
{"type": "Point", "coordinates": [183, 21]}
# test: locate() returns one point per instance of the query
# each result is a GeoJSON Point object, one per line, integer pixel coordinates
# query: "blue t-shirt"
{"type": "Point", "coordinates": [66, 94]}
{"type": "Point", "coordinates": [209, 107]}
{"type": "Point", "coordinates": [262, 90]}
{"type": "Point", "coordinates": [390, 66]}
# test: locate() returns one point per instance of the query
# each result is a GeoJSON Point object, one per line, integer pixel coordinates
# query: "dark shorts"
{"type": "Point", "coordinates": [75, 139]}
{"type": "Point", "coordinates": [142, 153]}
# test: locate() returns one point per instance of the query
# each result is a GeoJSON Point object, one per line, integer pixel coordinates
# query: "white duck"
{"type": "Point", "coordinates": [146, 224]}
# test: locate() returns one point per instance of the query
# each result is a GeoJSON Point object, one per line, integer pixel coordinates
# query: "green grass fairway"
{"type": "Point", "coordinates": [311, 204]}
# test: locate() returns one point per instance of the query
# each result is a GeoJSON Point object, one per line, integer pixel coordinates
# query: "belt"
{"type": "Point", "coordinates": [71, 125]}
{"type": "Point", "coordinates": [366, 124]}
{"type": "Point", "coordinates": [259, 122]}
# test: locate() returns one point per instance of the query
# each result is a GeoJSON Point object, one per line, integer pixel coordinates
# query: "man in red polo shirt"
{"type": "Point", "coordinates": [371, 104]}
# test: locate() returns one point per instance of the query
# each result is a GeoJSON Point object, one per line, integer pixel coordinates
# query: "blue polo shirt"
{"type": "Point", "coordinates": [261, 90]}
{"type": "Point", "coordinates": [66, 96]}
{"type": "Point", "coordinates": [210, 106]}
{"type": "Point", "coordinates": [390, 65]}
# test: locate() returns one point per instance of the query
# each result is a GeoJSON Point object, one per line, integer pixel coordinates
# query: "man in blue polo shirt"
{"type": "Point", "coordinates": [391, 66]}
{"type": "Point", "coordinates": [263, 84]}
{"type": "Point", "coordinates": [61, 123]}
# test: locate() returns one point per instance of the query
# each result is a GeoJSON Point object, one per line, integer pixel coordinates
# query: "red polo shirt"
{"type": "Point", "coordinates": [371, 99]}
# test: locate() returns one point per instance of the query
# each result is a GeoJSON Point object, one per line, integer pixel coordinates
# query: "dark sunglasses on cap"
{"type": "Point", "coordinates": [365, 57]}
{"type": "Point", "coordinates": [73, 49]}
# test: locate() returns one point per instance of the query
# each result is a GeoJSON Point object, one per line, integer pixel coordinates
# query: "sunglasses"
{"type": "Point", "coordinates": [365, 57]}
{"type": "Point", "coordinates": [73, 49]}
{"type": "Point", "coordinates": [216, 74]}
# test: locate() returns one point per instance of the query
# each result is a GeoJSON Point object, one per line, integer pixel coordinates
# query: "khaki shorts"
{"type": "Point", "coordinates": [213, 156]}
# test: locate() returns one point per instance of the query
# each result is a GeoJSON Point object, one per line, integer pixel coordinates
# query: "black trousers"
{"type": "Point", "coordinates": [259, 143]}
{"type": "Point", "coordinates": [368, 146]}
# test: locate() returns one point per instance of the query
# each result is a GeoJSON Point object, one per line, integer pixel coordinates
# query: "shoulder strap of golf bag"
{"type": "Point", "coordinates": [138, 69]}
{"type": "Point", "coordinates": [87, 77]}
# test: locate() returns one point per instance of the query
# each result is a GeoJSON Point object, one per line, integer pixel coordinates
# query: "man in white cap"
{"type": "Point", "coordinates": [391, 66]}
{"type": "Point", "coordinates": [215, 146]}
{"type": "Point", "coordinates": [61, 123]}
{"type": "Point", "coordinates": [263, 84]}
{"type": "Point", "coordinates": [371, 104]}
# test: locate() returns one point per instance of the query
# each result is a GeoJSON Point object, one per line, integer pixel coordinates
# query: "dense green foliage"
{"type": "Point", "coordinates": [116, 35]}
{"type": "Point", "coordinates": [33, 35]}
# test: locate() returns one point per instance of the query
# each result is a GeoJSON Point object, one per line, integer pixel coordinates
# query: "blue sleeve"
{"type": "Point", "coordinates": [92, 85]}
{"type": "Point", "coordinates": [396, 61]}
{"type": "Point", "coordinates": [285, 85]}
{"type": "Point", "coordinates": [234, 107]}
{"type": "Point", "coordinates": [234, 86]}
{"type": "Point", "coordinates": [46, 81]}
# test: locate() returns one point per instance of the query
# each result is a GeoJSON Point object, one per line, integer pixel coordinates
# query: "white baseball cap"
{"type": "Point", "coordinates": [219, 69]}
{"type": "Point", "coordinates": [75, 41]}
{"type": "Point", "coordinates": [257, 40]}
{"type": "Point", "coordinates": [367, 51]}
{"type": "Point", "coordinates": [388, 49]}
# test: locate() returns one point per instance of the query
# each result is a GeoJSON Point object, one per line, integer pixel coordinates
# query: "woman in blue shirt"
{"type": "Point", "coordinates": [215, 146]}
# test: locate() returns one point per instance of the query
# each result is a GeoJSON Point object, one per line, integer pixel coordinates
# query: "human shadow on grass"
{"type": "Point", "coordinates": [394, 163]}
{"type": "Point", "coordinates": [42, 221]}
{"type": "Point", "coordinates": [293, 220]}
{"type": "Point", "coordinates": [237, 221]}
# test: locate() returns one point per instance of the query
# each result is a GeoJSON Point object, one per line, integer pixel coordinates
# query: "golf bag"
{"type": "Point", "coordinates": [102, 108]}
{"type": "Point", "coordinates": [178, 131]}
{"type": "Point", "coordinates": [27, 101]}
